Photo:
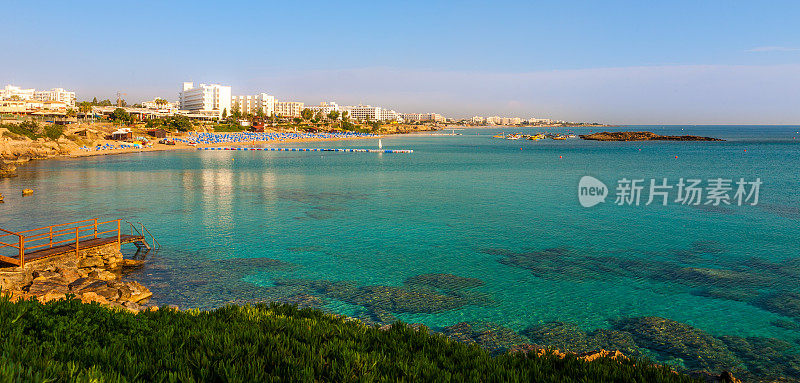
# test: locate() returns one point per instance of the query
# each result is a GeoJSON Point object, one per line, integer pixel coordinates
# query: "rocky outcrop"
{"type": "Point", "coordinates": [7, 170]}
{"type": "Point", "coordinates": [94, 275]}
{"type": "Point", "coordinates": [641, 136]}
{"type": "Point", "coordinates": [18, 151]}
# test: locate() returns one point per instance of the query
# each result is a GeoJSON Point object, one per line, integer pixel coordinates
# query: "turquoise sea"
{"type": "Point", "coordinates": [357, 234]}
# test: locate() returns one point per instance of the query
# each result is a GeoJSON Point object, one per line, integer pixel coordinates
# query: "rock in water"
{"type": "Point", "coordinates": [7, 170]}
{"type": "Point", "coordinates": [444, 281]}
{"type": "Point", "coordinates": [641, 136]}
{"type": "Point", "coordinates": [698, 349]}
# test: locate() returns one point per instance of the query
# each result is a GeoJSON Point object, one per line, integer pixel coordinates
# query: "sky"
{"type": "Point", "coordinates": [619, 62]}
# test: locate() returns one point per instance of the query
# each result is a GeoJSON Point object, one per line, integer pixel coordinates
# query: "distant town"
{"type": "Point", "coordinates": [215, 102]}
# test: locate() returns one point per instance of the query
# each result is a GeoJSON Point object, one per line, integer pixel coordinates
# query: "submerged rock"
{"type": "Point", "coordinates": [394, 299]}
{"type": "Point", "coordinates": [765, 357]}
{"type": "Point", "coordinates": [7, 170]}
{"type": "Point", "coordinates": [727, 293]}
{"type": "Point", "coordinates": [444, 281]}
{"type": "Point", "coordinates": [786, 303]}
{"type": "Point", "coordinates": [491, 336]}
{"type": "Point", "coordinates": [786, 324]}
{"type": "Point", "coordinates": [566, 337]}
{"type": "Point", "coordinates": [613, 340]}
{"type": "Point", "coordinates": [697, 349]}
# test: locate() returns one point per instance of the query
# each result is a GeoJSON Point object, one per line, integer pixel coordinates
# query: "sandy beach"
{"type": "Point", "coordinates": [183, 146]}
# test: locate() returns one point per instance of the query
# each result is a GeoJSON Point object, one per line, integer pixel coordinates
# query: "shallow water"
{"type": "Point", "coordinates": [468, 205]}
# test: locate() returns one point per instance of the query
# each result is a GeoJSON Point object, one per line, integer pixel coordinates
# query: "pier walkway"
{"type": "Point", "coordinates": [312, 150]}
{"type": "Point", "coordinates": [17, 248]}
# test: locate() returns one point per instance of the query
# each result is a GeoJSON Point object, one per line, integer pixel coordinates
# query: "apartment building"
{"type": "Point", "coordinates": [55, 94]}
{"type": "Point", "coordinates": [208, 99]}
{"type": "Point", "coordinates": [253, 104]}
{"type": "Point", "coordinates": [325, 108]}
{"type": "Point", "coordinates": [288, 108]}
{"type": "Point", "coordinates": [363, 112]}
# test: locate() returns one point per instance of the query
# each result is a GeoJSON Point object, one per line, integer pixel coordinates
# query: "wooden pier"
{"type": "Point", "coordinates": [17, 248]}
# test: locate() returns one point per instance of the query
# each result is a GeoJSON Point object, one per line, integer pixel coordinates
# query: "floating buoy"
{"type": "Point", "coordinates": [676, 156]}
{"type": "Point", "coordinates": [745, 150]}
{"type": "Point", "coordinates": [560, 157]}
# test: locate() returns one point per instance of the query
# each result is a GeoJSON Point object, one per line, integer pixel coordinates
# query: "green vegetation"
{"type": "Point", "coordinates": [230, 126]}
{"type": "Point", "coordinates": [28, 129]}
{"type": "Point", "coordinates": [53, 132]}
{"type": "Point", "coordinates": [307, 114]}
{"type": "Point", "coordinates": [33, 130]}
{"type": "Point", "coordinates": [71, 341]}
{"type": "Point", "coordinates": [173, 123]}
{"type": "Point", "coordinates": [121, 116]}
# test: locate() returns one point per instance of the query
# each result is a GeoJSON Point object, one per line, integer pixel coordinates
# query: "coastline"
{"type": "Point", "coordinates": [181, 146]}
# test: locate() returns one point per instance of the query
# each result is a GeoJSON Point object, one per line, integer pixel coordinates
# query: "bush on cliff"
{"type": "Point", "coordinates": [71, 341]}
{"type": "Point", "coordinates": [53, 132]}
{"type": "Point", "coordinates": [28, 129]}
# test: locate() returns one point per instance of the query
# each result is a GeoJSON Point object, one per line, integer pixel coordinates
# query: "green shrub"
{"type": "Point", "coordinates": [53, 132]}
{"type": "Point", "coordinates": [28, 129]}
{"type": "Point", "coordinates": [71, 341]}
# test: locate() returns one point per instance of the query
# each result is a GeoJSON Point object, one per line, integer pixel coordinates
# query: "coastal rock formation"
{"type": "Point", "coordinates": [391, 299]}
{"type": "Point", "coordinates": [569, 337]}
{"type": "Point", "coordinates": [444, 281]}
{"type": "Point", "coordinates": [641, 136]}
{"type": "Point", "coordinates": [7, 169]}
{"type": "Point", "coordinates": [94, 275]}
{"type": "Point", "coordinates": [786, 303]}
{"type": "Point", "coordinates": [697, 349]}
{"type": "Point", "coordinates": [491, 336]}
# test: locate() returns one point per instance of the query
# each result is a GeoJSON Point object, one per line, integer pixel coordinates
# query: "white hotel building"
{"type": "Point", "coordinates": [252, 104]}
{"type": "Point", "coordinates": [206, 99]}
{"type": "Point", "coordinates": [55, 94]}
{"type": "Point", "coordinates": [363, 112]}
{"type": "Point", "coordinates": [288, 108]}
{"type": "Point", "coordinates": [325, 108]}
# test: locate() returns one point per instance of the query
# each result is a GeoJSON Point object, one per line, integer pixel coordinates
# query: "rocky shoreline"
{"type": "Point", "coordinates": [95, 275]}
{"type": "Point", "coordinates": [642, 136]}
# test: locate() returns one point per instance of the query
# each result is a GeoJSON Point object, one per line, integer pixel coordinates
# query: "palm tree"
{"type": "Point", "coordinates": [85, 108]}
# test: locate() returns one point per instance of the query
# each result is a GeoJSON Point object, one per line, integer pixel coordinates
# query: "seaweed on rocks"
{"type": "Point", "coordinates": [697, 349]}
{"type": "Point", "coordinates": [394, 299]}
{"type": "Point", "coordinates": [444, 281]}
{"type": "Point", "coordinates": [568, 337]}
{"type": "Point", "coordinates": [562, 336]}
{"type": "Point", "coordinates": [494, 337]}
{"type": "Point", "coordinates": [765, 358]}
{"type": "Point", "coordinates": [786, 303]}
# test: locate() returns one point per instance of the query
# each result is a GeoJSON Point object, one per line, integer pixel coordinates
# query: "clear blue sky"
{"type": "Point", "coordinates": [611, 61]}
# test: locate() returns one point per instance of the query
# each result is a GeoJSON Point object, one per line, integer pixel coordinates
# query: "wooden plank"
{"type": "Point", "coordinates": [12, 261]}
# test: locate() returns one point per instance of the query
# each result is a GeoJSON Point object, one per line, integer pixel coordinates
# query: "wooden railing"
{"type": "Point", "coordinates": [26, 241]}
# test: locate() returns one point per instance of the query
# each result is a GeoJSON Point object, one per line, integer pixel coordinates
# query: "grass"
{"type": "Point", "coordinates": [71, 341]}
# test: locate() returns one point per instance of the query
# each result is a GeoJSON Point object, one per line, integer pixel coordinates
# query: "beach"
{"type": "Point", "coordinates": [157, 147]}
